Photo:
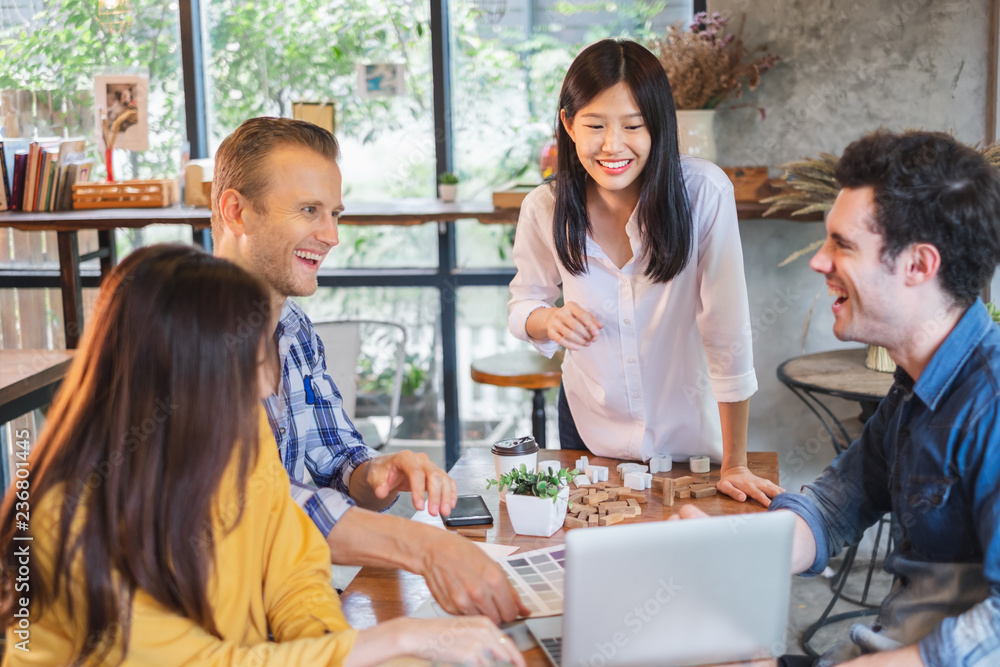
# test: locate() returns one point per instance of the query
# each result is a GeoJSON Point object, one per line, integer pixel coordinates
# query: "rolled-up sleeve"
{"type": "Point", "coordinates": [723, 314]}
{"type": "Point", "coordinates": [972, 638]}
{"type": "Point", "coordinates": [537, 282]}
{"type": "Point", "coordinates": [324, 506]}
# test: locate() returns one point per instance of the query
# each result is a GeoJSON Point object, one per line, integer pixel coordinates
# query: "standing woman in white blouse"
{"type": "Point", "coordinates": [643, 245]}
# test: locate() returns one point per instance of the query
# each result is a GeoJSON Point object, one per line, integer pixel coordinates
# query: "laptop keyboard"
{"type": "Point", "coordinates": [553, 646]}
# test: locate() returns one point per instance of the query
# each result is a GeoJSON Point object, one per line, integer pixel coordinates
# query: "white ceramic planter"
{"type": "Point", "coordinates": [447, 192]}
{"type": "Point", "coordinates": [696, 134]}
{"type": "Point", "coordinates": [537, 517]}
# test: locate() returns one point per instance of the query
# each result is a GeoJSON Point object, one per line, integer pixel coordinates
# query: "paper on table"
{"type": "Point", "coordinates": [497, 552]}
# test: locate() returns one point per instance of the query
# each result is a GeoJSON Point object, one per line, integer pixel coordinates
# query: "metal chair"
{"type": "Point", "coordinates": [384, 343]}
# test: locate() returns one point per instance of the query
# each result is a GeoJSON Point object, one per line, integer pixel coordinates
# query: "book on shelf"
{"type": "Point", "coordinates": [20, 171]}
{"type": "Point", "coordinates": [76, 172]}
{"type": "Point", "coordinates": [4, 175]}
{"type": "Point", "coordinates": [12, 146]}
{"type": "Point", "coordinates": [28, 202]}
{"type": "Point", "coordinates": [71, 150]}
{"type": "Point", "coordinates": [46, 181]}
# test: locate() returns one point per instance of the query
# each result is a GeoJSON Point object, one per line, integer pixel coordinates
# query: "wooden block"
{"type": "Point", "coordinates": [668, 493]}
{"type": "Point", "coordinates": [585, 511]}
{"type": "Point", "coordinates": [612, 505]}
{"type": "Point", "coordinates": [657, 484]}
{"type": "Point", "coordinates": [611, 519]}
{"type": "Point", "coordinates": [703, 492]}
{"type": "Point", "coordinates": [472, 532]}
{"type": "Point", "coordinates": [592, 520]}
{"type": "Point", "coordinates": [683, 493]}
{"type": "Point", "coordinates": [698, 487]}
{"type": "Point", "coordinates": [602, 485]}
{"type": "Point", "coordinates": [640, 498]}
{"type": "Point", "coordinates": [573, 522]}
{"type": "Point", "coordinates": [686, 480]}
{"type": "Point", "coordinates": [630, 511]}
{"type": "Point", "coordinates": [595, 498]}
{"type": "Point", "coordinates": [632, 502]}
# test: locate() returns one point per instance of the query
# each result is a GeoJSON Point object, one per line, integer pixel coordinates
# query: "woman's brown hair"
{"type": "Point", "coordinates": [160, 398]}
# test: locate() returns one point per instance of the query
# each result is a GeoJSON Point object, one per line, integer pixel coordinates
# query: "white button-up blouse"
{"type": "Point", "coordinates": [668, 351]}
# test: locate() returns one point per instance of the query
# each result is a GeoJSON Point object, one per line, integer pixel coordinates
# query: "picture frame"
{"type": "Point", "coordinates": [381, 80]}
{"type": "Point", "coordinates": [115, 95]}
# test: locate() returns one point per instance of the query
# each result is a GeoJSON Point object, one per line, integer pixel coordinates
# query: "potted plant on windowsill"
{"type": "Point", "coordinates": [536, 501]}
{"type": "Point", "coordinates": [447, 186]}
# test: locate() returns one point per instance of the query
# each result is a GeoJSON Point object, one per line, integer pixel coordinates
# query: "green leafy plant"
{"type": "Point", "coordinates": [994, 311]}
{"type": "Point", "coordinates": [448, 178]}
{"type": "Point", "coordinates": [542, 484]}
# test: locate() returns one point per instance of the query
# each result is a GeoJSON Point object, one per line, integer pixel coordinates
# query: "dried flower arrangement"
{"type": "Point", "coordinates": [811, 185]}
{"type": "Point", "coordinates": [706, 64]}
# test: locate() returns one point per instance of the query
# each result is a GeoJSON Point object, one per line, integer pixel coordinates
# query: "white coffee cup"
{"type": "Point", "coordinates": [510, 454]}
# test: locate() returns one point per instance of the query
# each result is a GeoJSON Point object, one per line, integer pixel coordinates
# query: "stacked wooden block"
{"type": "Point", "coordinates": [603, 504]}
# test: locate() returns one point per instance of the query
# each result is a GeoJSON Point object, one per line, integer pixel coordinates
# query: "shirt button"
{"type": "Point", "coordinates": [631, 360]}
{"type": "Point", "coordinates": [626, 321]}
{"type": "Point", "coordinates": [281, 430]}
{"type": "Point", "coordinates": [635, 395]}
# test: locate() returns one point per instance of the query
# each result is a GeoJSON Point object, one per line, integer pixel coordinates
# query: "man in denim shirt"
{"type": "Point", "coordinates": [913, 238]}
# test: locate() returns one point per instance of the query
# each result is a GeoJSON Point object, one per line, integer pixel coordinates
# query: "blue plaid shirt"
{"type": "Point", "coordinates": [931, 456]}
{"type": "Point", "coordinates": [309, 424]}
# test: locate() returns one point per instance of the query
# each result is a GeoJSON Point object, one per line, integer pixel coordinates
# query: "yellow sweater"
{"type": "Point", "coordinates": [273, 574]}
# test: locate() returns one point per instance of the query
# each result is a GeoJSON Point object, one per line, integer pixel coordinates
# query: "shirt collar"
{"type": "Point", "coordinates": [290, 320]}
{"type": "Point", "coordinates": [944, 366]}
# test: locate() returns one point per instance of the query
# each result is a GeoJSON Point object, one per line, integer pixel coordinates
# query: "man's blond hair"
{"type": "Point", "coordinates": [241, 162]}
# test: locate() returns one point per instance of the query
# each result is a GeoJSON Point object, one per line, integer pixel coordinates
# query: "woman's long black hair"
{"type": "Point", "coordinates": [161, 398]}
{"type": "Point", "coordinates": [664, 213]}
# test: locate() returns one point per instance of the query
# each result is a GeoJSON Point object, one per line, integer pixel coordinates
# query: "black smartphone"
{"type": "Point", "coordinates": [469, 511]}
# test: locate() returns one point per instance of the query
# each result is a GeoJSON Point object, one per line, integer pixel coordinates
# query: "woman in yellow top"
{"type": "Point", "coordinates": [154, 523]}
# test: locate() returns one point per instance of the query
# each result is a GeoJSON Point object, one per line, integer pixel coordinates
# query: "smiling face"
{"type": "Point", "coordinates": [286, 244]}
{"type": "Point", "coordinates": [612, 140]}
{"type": "Point", "coordinates": [868, 291]}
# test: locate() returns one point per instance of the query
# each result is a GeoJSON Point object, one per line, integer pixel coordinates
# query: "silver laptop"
{"type": "Point", "coordinates": [673, 593]}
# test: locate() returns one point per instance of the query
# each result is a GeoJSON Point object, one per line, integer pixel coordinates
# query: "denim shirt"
{"type": "Point", "coordinates": [931, 456]}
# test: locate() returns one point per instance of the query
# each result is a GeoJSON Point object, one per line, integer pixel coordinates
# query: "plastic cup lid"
{"type": "Point", "coordinates": [515, 446]}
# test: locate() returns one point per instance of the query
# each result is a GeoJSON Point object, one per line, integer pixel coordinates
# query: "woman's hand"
{"type": "Point", "coordinates": [467, 640]}
{"type": "Point", "coordinates": [738, 483]}
{"type": "Point", "coordinates": [571, 326]}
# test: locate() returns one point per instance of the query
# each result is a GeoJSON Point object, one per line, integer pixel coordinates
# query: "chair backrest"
{"type": "Point", "coordinates": [386, 341]}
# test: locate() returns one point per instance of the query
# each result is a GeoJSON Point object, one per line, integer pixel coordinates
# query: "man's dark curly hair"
{"type": "Point", "coordinates": [929, 188]}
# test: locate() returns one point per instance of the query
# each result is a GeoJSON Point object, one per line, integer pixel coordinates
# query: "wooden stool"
{"type": "Point", "coordinates": [527, 370]}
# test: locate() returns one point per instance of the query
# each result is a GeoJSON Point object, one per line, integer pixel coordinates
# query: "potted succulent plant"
{"type": "Point", "coordinates": [536, 501]}
{"type": "Point", "coordinates": [447, 186]}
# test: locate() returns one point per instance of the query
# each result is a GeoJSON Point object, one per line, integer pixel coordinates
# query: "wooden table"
{"type": "Point", "coordinates": [29, 379]}
{"type": "Point", "coordinates": [525, 369]}
{"type": "Point", "coordinates": [379, 594]}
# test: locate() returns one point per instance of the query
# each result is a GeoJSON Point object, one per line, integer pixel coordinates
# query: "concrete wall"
{"type": "Point", "coordinates": [849, 67]}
